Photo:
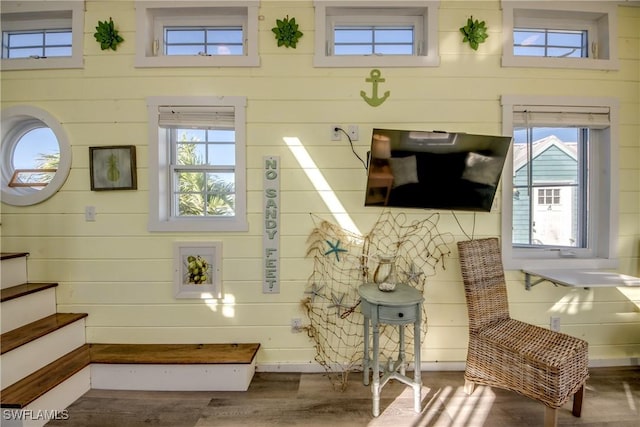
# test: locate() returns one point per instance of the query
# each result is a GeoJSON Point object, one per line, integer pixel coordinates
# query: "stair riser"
{"type": "Point", "coordinates": [172, 377]}
{"type": "Point", "coordinates": [26, 309]}
{"type": "Point", "coordinates": [30, 357]}
{"type": "Point", "coordinates": [53, 402]}
{"type": "Point", "coordinates": [13, 272]}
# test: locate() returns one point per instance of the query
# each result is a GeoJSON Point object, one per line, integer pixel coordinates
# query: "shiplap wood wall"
{"type": "Point", "coordinates": [121, 274]}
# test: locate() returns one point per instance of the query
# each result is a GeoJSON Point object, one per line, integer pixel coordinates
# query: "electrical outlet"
{"type": "Point", "coordinates": [336, 133]}
{"type": "Point", "coordinates": [555, 324]}
{"type": "Point", "coordinates": [296, 325]}
{"type": "Point", "coordinates": [353, 132]}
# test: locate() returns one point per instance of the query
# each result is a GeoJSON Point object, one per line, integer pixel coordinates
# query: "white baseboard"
{"type": "Point", "coordinates": [312, 367]}
{"type": "Point", "coordinates": [611, 363]}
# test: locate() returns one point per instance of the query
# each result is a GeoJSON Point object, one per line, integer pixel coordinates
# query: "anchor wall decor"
{"type": "Point", "coordinates": [374, 79]}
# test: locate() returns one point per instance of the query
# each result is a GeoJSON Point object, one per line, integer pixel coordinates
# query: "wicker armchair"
{"type": "Point", "coordinates": [544, 365]}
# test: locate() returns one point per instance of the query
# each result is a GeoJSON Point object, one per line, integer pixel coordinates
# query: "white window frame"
{"type": "Point", "coordinates": [163, 22]}
{"type": "Point", "coordinates": [603, 193]}
{"type": "Point", "coordinates": [329, 13]}
{"type": "Point", "coordinates": [23, 15]}
{"type": "Point", "coordinates": [17, 120]}
{"type": "Point", "coordinates": [160, 194]}
{"type": "Point", "coordinates": [152, 16]}
{"type": "Point", "coordinates": [598, 18]}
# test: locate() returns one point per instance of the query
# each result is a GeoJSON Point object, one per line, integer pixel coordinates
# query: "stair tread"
{"type": "Point", "coordinates": [10, 255]}
{"type": "Point", "coordinates": [28, 389]}
{"type": "Point", "coordinates": [174, 353]}
{"type": "Point", "coordinates": [34, 330]}
{"type": "Point", "coordinates": [24, 289]}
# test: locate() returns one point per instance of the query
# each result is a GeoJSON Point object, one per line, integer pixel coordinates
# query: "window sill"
{"type": "Point", "coordinates": [198, 225]}
{"type": "Point", "coordinates": [579, 278]}
{"type": "Point", "coordinates": [196, 61]}
{"type": "Point", "coordinates": [42, 64]}
{"type": "Point", "coordinates": [559, 263]}
{"type": "Point", "coordinates": [566, 63]}
{"type": "Point", "coordinates": [375, 61]}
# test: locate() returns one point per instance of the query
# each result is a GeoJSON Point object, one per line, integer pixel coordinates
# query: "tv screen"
{"type": "Point", "coordinates": [434, 170]}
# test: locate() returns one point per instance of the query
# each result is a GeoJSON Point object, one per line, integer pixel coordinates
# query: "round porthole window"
{"type": "Point", "coordinates": [35, 155]}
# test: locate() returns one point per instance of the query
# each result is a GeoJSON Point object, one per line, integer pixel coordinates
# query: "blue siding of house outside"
{"type": "Point", "coordinates": [551, 167]}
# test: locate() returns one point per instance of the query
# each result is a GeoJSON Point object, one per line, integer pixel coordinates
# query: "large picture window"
{"type": "Point", "coordinates": [198, 183]}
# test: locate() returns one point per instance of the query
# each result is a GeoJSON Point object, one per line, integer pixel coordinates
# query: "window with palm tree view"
{"type": "Point", "coordinates": [197, 163]}
{"type": "Point", "coordinates": [203, 172]}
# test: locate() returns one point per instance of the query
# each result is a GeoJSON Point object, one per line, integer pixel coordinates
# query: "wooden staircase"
{"type": "Point", "coordinates": [46, 363]}
{"type": "Point", "coordinates": [44, 358]}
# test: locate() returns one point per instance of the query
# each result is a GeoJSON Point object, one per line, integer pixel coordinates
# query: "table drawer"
{"type": "Point", "coordinates": [399, 314]}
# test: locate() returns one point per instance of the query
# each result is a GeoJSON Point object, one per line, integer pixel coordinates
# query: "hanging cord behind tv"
{"type": "Point", "coordinates": [351, 144]}
{"type": "Point", "coordinates": [473, 229]}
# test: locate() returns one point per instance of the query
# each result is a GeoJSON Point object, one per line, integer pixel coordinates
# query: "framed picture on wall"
{"type": "Point", "coordinates": [113, 167]}
{"type": "Point", "coordinates": [197, 270]}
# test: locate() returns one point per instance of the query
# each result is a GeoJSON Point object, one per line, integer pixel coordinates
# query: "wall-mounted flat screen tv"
{"type": "Point", "coordinates": [434, 170]}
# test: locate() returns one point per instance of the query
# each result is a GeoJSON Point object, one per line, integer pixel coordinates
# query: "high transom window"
{"type": "Point", "coordinates": [36, 43]}
{"type": "Point", "coordinates": [559, 34]}
{"type": "Point", "coordinates": [376, 33]}
{"type": "Point", "coordinates": [42, 34]}
{"type": "Point", "coordinates": [197, 34]}
{"type": "Point", "coordinates": [374, 40]}
{"type": "Point", "coordinates": [203, 41]}
{"type": "Point", "coordinates": [550, 43]}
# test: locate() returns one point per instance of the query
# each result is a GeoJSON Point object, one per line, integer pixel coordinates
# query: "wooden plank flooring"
{"type": "Point", "coordinates": [612, 399]}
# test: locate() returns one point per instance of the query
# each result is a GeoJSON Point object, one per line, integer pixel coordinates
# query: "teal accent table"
{"type": "Point", "coordinates": [401, 307]}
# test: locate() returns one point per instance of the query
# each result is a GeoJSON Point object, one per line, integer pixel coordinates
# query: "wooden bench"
{"type": "Point", "coordinates": [173, 353]}
{"type": "Point", "coordinates": [143, 367]}
{"type": "Point", "coordinates": [213, 367]}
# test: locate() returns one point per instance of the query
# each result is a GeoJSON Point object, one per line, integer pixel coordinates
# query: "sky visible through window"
{"type": "Point", "coordinates": [563, 134]}
{"type": "Point", "coordinates": [211, 147]}
{"type": "Point", "coordinates": [39, 43]}
{"type": "Point", "coordinates": [32, 146]}
{"type": "Point", "coordinates": [550, 43]}
{"type": "Point", "coordinates": [203, 41]}
{"type": "Point", "coordinates": [374, 40]}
